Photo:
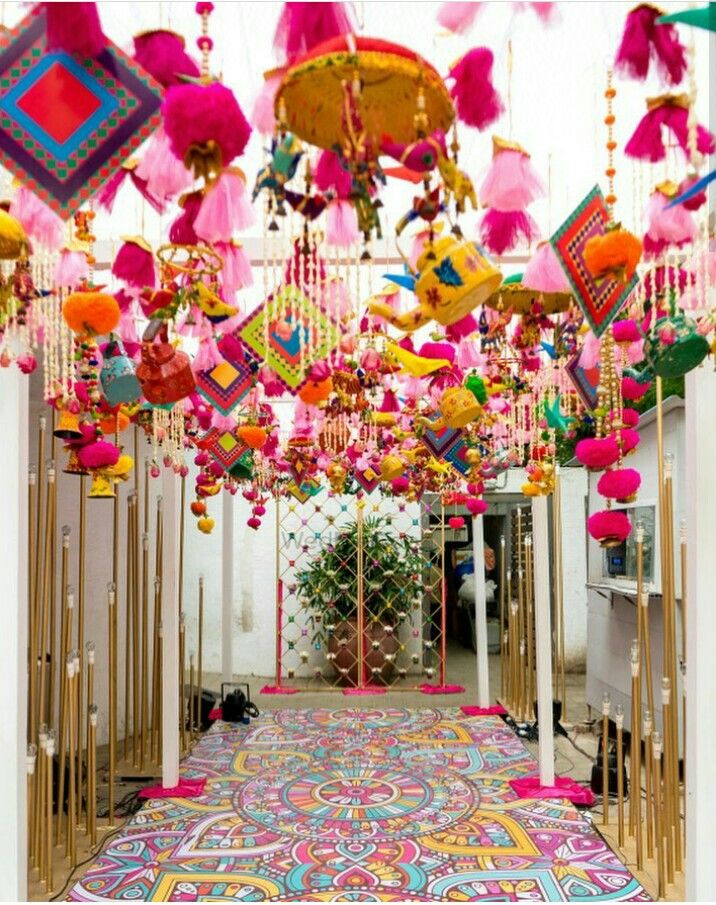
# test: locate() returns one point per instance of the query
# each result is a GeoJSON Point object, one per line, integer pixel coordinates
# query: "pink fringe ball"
{"type": "Point", "coordinates": [673, 226]}
{"type": "Point", "coordinates": [544, 273]}
{"type": "Point", "coordinates": [461, 329]}
{"type": "Point", "coordinates": [39, 221]}
{"type": "Point", "coordinates": [341, 224]}
{"type": "Point", "coordinates": [74, 27]}
{"type": "Point", "coordinates": [225, 209]}
{"type": "Point", "coordinates": [302, 26]}
{"type": "Point", "coordinates": [609, 525]}
{"type": "Point", "coordinates": [162, 54]}
{"type": "Point", "coordinates": [626, 331]}
{"type": "Point", "coordinates": [630, 417]}
{"type": "Point", "coordinates": [236, 273]}
{"type": "Point", "coordinates": [458, 17]}
{"type": "Point", "coordinates": [619, 483]}
{"type": "Point", "coordinates": [629, 439]}
{"type": "Point", "coordinates": [632, 390]}
{"type": "Point", "coordinates": [134, 266]}
{"type": "Point", "coordinates": [597, 454]}
{"type": "Point", "coordinates": [182, 232]}
{"type": "Point", "coordinates": [477, 102]}
{"type": "Point", "coordinates": [100, 454]}
{"type": "Point", "coordinates": [197, 114]}
{"type": "Point", "coordinates": [476, 506]}
{"type": "Point", "coordinates": [647, 143]}
{"type": "Point", "coordinates": [501, 231]}
{"type": "Point", "coordinates": [511, 182]}
{"type": "Point", "coordinates": [165, 175]}
{"type": "Point", "coordinates": [71, 268]}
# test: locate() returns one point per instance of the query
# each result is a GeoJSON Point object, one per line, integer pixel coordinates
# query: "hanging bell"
{"type": "Point", "coordinates": [68, 427]}
{"type": "Point", "coordinates": [73, 463]}
{"type": "Point", "coordinates": [102, 487]}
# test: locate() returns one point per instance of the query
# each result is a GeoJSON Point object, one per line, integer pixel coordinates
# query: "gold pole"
{"type": "Point", "coordinates": [111, 599]}
{"type": "Point", "coordinates": [131, 502]}
{"type": "Point", "coordinates": [606, 707]}
{"type": "Point", "coordinates": [191, 696]}
{"type": "Point", "coordinates": [658, 814]}
{"type": "Point", "coordinates": [503, 594]}
{"type": "Point", "coordinates": [668, 817]}
{"type": "Point", "coordinates": [144, 652]}
{"type": "Point", "coordinates": [90, 649]}
{"type": "Point", "coordinates": [48, 578]}
{"type": "Point", "coordinates": [81, 630]}
{"type": "Point", "coordinates": [200, 630]}
{"type": "Point", "coordinates": [35, 640]}
{"type": "Point", "coordinates": [560, 677]}
{"type": "Point", "coordinates": [70, 841]}
{"type": "Point", "coordinates": [92, 774]}
{"type": "Point", "coordinates": [182, 690]}
{"type": "Point", "coordinates": [530, 630]}
{"type": "Point", "coordinates": [635, 755]}
{"type": "Point", "coordinates": [619, 720]}
{"type": "Point", "coordinates": [682, 538]}
{"type": "Point", "coordinates": [648, 774]}
{"type": "Point", "coordinates": [49, 754]}
{"type": "Point", "coordinates": [32, 613]}
{"type": "Point", "coordinates": [156, 672]}
{"type": "Point", "coordinates": [31, 760]}
{"type": "Point", "coordinates": [64, 650]}
{"type": "Point", "coordinates": [360, 602]}
{"type": "Point", "coordinates": [38, 841]}
{"type": "Point", "coordinates": [53, 660]}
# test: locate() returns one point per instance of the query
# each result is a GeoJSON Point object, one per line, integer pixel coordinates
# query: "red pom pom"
{"type": "Point", "coordinates": [619, 484]}
{"type": "Point", "coordinates": [456, 521]}
{"type": "Point", "coordinates": [630, 417]}
{"type": "Point", "coordinates": [597, 454]}
{"type": "Point", "coordinates": [609, 527]}
{"type": "Point", "coordinates": [632, 390]}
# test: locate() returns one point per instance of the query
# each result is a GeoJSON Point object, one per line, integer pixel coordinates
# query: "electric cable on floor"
{"type": "Point", "coordinates": [93, 854]}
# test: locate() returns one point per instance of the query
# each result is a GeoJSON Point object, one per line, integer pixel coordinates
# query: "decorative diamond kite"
{"type": "Point", "coordinates": [367, 479]}
{"type": "Point", "coordinates": [67, 123]}
{"type": "Point", "coordinates": [225, 385]}
{"type": "Point", "coordinates": [600, 300]}
{"type": "Point", "coordinates": [309, 488]}
{"type": "Point", "coordinates": [224, 446]}
{"type": "Point", "coordinates": [440, 442]}
{"type": "Point", "coordinates": [299, 334]}
{"type": "Point", "coordinates": [456, 456]}
{"type": "Point", "coordinates": [585, 380]}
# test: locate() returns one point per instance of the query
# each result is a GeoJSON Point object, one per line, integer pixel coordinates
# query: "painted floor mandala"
{"type": "Point", "coordinates": [402, 805]}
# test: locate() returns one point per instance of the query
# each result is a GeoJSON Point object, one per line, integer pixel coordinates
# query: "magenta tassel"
{"type": "Point", "coordinates": [341, 224]}
{"type": "Point", "coordinates": [674, 226]}
{"type": "Point", "coordinates": [476, 101]}
{"type": "Point", "coordinates": [544, 272]}
{"type": "Point", "coordinates": [162, 54]}
{"type": "Point", "coordinates": [647, 142]}
{"type": "Point", "coordinates": [511, 182]}
{"type": "Point", "coordinates": [161, 170]}
{"type": "Point", "coordinates": [458, 17]}
{"type": "Point", "coordinates": [643, 40]}
{"type": "Point", "coordinates": [207, 355]}
{"type": "Point", "coordinates": [330, 175]}
{"type": "Point", "coordinates": [695, 202]}
{"type": "Point", "coordinates": [40, 222]}
{"type": "Point", "coordinates": [226, 209]}
{"type": "Point", "coordinates": [181, 232]}
{"type": "Point", "coordinates": [75, 28]}
{"type": "Point", "coordinates": [670, 54]}
{"type": "Point", "coordinates": [134, 265]}
{"type": "Point", "coordinates": [466, 326]}
{"type": "Point", "coordinates": [302, 26]}
{"type": "Point", "coordinates": [262, 113]}
{"type": "Point", "coordinates": [501, 231]}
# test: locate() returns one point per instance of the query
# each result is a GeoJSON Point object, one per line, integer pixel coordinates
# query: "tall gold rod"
{"type": "Point", "coordinates": [144, 649]}
{"type": "Point", "coordinates": [503, 593]}
{"type": "Point", "coordinates": [619, 720]}
{"type": "Point", "coordinates": [90, 649]}
{"type": "Point", "coordinates": [32, 615]}
{"type": "Point", "coordinates": [81, 630]}
{"type": "Point", "coordinates": [111, 617]}
{"type": "Point", "coordinates": [200, 647]}
{"type": "Point", "coordinates": [35, 718]}
{"type": "Point", "coordinates": [52, 663]}
{"type": "Point", "coordinates": [47, 579]}
{"type": "Point", "coordinates": [683, 549]}
{"type": "Point", "coordinates": [129, 590]}
{"type": "Point", "coordinates": [182, 691]}
{"type": "Point", "coordinates": [606, 707]}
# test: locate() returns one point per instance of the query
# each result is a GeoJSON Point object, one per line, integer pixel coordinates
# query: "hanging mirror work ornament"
{"type": "Point", "coordinates": [67, 123]}
{"type": "Point", "coordinates": [599, 300]}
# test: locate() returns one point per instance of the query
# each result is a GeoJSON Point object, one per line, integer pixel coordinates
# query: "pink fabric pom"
{"type": "Point", "coordinates": [476, 506]}
{"type": "Point", "coordinates": [626, 331]}
{"type": "Point", "coordinates": [596, 454]}
{"type": "Point", "coordinates": [262, 117]}
{"type": "Point", "coordinates": [544, 273]}
{"type": "Point", "coordinates": [695, 202]}
{"type": "Point", "coordinates": [304, 25]}
{"type": "Point", "coordinates": [461, 329]}
{"type": "Point", "coordinates": [40, 222]}
{"type": "Point", "coordinates": [634, 51]}
{"type": "Point", "coordinates": [501, 231]}
{"type": "Point", "coordinates": [74, 27]}
{"type": "Point", "coordinates": [669, 52]}
{"type": "Point", "coordinates": [609, 524]}
{"type": "Point", "coordinates": [330, 175]}
{"type": "Point", "coordinates": [469, 354]}
{"type": "Point", "coordinates": [647, 142]}
{"type": "Point", "coordinates": [630, 417]}
{"type": "Point", "coordinates": [108, 192]}
{"type": "Point", "coordinates": [671, 226]}
{"type": "Point", "coordinates": [390, 402]}
{"type": "Point", "coordinates": [562, 787]}
{"type": "Point", "coordinates": [619, 483]}
{"type": "Point", "coordinates": [71, 268]}
{"type": "Point", "coordinates": [134, 266]}
{"type": "Point", "coordinates": [198, 114]}
{"type": "Point", "coordinates": [400, 485]}
{"type": "Point", "coordinates": [476, 101]}
{"type": "Point", "coordinates": [628, 437]}
{"type": "Point", "coordinates": [99, 454]}
{"type": "Point", "coordinates": [632, 390]}
{"type": "Point", "coordinates": [182, 232]}
{"type": "Point", "coordinates": [341, 224]}
{"type": "Point", "coordinates": [207, 355]}
{"type": "Point", "coordinates": [226, 209]}
{"type": "Point", "coordinates": [271, 384]}
{"type": "Point", "coordinates": [458, 17]}
{"type": "Point", "coordinates": [511, 182]}
{"type": "Point", "coordinates": [164, 174]}
{"type": "Point", "coordinates": [427, 688]}
{"type": "Point", "coordinates": [236, 273]}
{"type": "Point", "coordinates": [162, 54]}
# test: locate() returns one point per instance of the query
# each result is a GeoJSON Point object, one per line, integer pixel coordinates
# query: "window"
{"type": "Point", "coordinates": [620, 562]}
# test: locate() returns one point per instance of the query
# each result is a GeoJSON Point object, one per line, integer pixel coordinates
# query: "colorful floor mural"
{"type": "Point", "coordinates": [359, 805]}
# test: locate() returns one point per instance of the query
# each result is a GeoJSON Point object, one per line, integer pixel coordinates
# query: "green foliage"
{"type": "Point", "coordinates": [671, 386]}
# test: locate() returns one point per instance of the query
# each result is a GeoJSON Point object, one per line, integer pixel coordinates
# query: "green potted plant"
{"type": "Point", "coordinates": [392, 583]}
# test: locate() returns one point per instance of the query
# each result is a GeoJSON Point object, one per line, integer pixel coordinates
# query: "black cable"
{"type": "Point", "coordinates": [93, 854]}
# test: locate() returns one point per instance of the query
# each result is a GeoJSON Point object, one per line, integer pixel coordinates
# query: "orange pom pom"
{"type": "Point", "coordinates": [252, 435]}
{"type": "Point", "coordinates": [114, 423]}
{"type": "Point", "coordinates": [615, 254]}
{"type": "Point", "coordinates": [95, 313]}
{"type": "Point", "coordinates": [315, 391]}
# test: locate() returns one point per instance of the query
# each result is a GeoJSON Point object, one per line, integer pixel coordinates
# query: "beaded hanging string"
{"type": "Point", "coordinates": [609, 120]}
{"type": "Point", "coordinates": [204, 41]}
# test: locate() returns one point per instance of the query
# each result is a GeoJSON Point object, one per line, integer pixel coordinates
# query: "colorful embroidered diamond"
{"type": "Point", "coordinates": [225, 385]}
{"type": "Point", "coordinates": [441, 441]}
{"type": "Point", "coordinates": [224, 446]}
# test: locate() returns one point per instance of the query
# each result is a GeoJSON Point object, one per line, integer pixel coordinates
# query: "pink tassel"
{"type": "Point", "coordinates": [694, 203]}
{"type": "Point", "coordinates": [182, 232]}
{"type": "Point", "coordinates": [271, 384]}
{"type": "Point", "coordinates": [670, 53]}
{"type": "Point", "coordinates": [643, 40]}
{"type": "Point", "coordinates": [41, 224]}
{"type": "Point", "coordinates": [226, 209]}
{"type": "Point", "coordinates": [461, 329]}
{"type": "Point", "coordinates": [341, 224]}
{"type": "Point", "coordinates": [647, 142]}
{"type": "Point", "coordinates": [476, 101]}
{"type": "Point", "coordinates": [544, 272]}
{"type": "Point", "coordinates": [589, 356]}
{"type": "Point", "coordinates": [304, 25]}
{"type": "Point", "coordinates": [389, 403]}
{"type": "Point", "coordinates": [262, 113]}
{"type": "Point", "coordinates": [134, 265]}
{"type": "Point", "coordinates": [501, 231]}
{"type": "Point", "coordinates": [162, 54]}
{"type": "Point", "coordinates": [75, 28]}
{"type": "Point", "coordinates": [207, 355]}
{"type": "Point", "coordinates": [511, 182]}
{"type": "Point", "coordinates": [223, 423]}
{"type": "Point", "coordinates": [71, 268]}
{"type": "Point", "coordinates": [164, 174]}
{"type": "Point", "coordinates": [331, 176]}
{"type": "Point", "coordinates": [671, 226]}
{"type": "Point", "coordinates": [236, 272]}
{"type": "Point", "coordinates": [544, 11]}
{"type": "Point", "coordinates": [108, 193]}
{"type": "Point", "coordinates": [469, 354]}
{"type": "Point", "coordinates": [458, 17]}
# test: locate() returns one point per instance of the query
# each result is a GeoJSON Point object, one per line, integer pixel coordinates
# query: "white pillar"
{"type": "Point", "coordinates": [227, 586]}
{"type": "Point", "coordinates": [543, 638]}
{"type": "Point", "coordinates": [700, 633]}
{"type": "Point", "coordinates": [13, 638]}
{"type": "Point", "coordinates": [483, 664]}
{"type": "Point", "coordinates": [170, 629]}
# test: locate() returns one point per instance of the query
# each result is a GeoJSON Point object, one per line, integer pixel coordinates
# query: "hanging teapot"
{"type": "Point", "coordinates": [165, 373]}
{"type": "Point", "coordinates": [118, 379]}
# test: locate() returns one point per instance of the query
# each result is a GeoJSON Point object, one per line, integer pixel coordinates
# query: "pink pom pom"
{"type": "Point", "coordinates": [304, 25]}
{"type": "Point", "coordinates": [501, 231]}
{"type": "Point", "coordinates": [626, 331]}
{"type": "Point", "coordinates": [461, 329]}
{"type": "Point", "coordinates": [341, 224]}
{"type": "Point", "coordinates": [511, 182]}
{"type": "Point", "coordinates": [438, 350]}
{"type": "Point", "coordinates": [456, 521]}
{"type": "Point", "coordinates": [632, 390]}
{"type": "Point", "coordinates": [40, 222]}
{"type": "Point", "coordinates": [544, 273]}
{"type": "Point", "coordinates": [71, 268]}
{"type": "Point", "coordinates": [669, 226]}
{"type": "Point", "coordinates": [647, 143]}
{"type": "Point", "coordinates": [226, 209]}
{"type": "Point", "coordinates": [236, 273]}
{"type": "Point", "coordinates": [270, 381]}
{"type": "Point", "coordinates": [609, 526]}
{"type": "Point", "coordinates": [476, 101]}
{"type": "Point", "coordinates": [619, 484]}
{"type": "Point", "coordinates": [99, 454]}
{"type": "Point", "coordinates": [207, 356]}
{"type": "Point", "coordinates": [262, 117]}
{"type": "Point", "coordinates": [162, 54]}
{"type": "Point", "coordinates": [74, 27]}
{"type": "Point", "coordinates": [134, 265]}
{"type": "Point", "coordinates": [476, 506]}
{"type": "Point", "coordinates": [164, 174]}
{"type": "Point", "coordinates": [198, 114]}
{"type": "Point", "coordinates": [26, 362]}
{"type": "Point", "coordinates": [628, 438]}
{"type": "Point", "coordinates": [630, 417]}
{"type": "Point", "coordinates": [696, 201]}
{"type": "Point", "coordinates": [390, 402]}
{"type": "Point", "coordinates": [469, 354]}
{"type": "Point", "coordinates": [597, 454]}
{"type": "Point", "coordinates": [330, 175]}
{"type": "Point", "coordinates": [458, 17]}
{"type": "Point", "coordinates": [400, 485]}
